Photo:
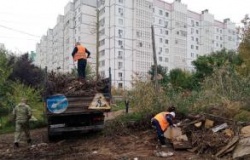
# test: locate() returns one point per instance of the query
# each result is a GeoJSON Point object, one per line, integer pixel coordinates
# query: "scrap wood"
{"type": "Point", "coordinates": [219, 127]}
{"type": "Point", "coordinates": [193, 122]}
{"type": "Point", "coordinates": [181, 145]}
{"type": "Point", "coordinates": [228, 147]}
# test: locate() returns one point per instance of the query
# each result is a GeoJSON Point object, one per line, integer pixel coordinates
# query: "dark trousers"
{"type": "Point", "coordinates": [81, 67]}
{"type": "Point", "coordinates": [160, 133]}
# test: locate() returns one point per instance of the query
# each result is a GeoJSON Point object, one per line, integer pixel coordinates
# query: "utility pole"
{"type": "Point", "coordinates": [97, 45]}
{"type": "Point", "coordinates": [154, 57]}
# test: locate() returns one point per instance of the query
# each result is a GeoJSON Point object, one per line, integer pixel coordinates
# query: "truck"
{"type": "Point", "coordinates": [76, 106]}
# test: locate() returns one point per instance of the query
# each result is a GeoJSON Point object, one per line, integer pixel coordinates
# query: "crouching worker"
{"type": "Point", "coordinates": [161, 122]}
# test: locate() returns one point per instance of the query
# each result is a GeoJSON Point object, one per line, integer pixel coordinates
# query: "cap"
{"type": "Point", "coordinates": [172, 113]}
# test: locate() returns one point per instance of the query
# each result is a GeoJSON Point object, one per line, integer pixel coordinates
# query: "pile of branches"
{"type": "Point", "coordinates": [71, 86]}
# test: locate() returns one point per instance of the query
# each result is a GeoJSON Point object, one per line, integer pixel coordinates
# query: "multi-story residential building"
{"type": "Point", "coordinates": [125, 36]}
{"type": "Point", "coordinates": [78, 25]}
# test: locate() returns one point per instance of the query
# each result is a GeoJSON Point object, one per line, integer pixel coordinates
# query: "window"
{"type": "Point", "coordinates": [192, 46]}
{"type": "Point", "coordinates": [120, 1]}
{"type": "Point", "coordinates": [166, 24]}
{"type": "Point", "coordinates": [161, 31]}
{"type": "Point", "coordinates": [120, 10]}
{"type": "Point", "coordinates": [102, 22]}
{"type": "Point", "coordinates": [160, 59]}
{"type": "Point", "coordinates": [120, 85]}
{"type": "Point", "coordinates": [120, 32]}
{"type": "Point", "coordinates": [166, 59]}
{"type": "Point", "coordinates": [102, 63]}
{"type": "Point", "coordinates": [120, 43]}
{"type": "Point", "coordinates": [166, 32]}
{"type": "Point", "coordinates": [102, 11]}
{"type": "Point", "coordinates": [120, 21]}
{"type": "Point", "coordinates": [102, 32]}
{"type": "Point", "coordinates": [167, 50]}
{"type": "Point", "coordinates": [120, 74]}
{"type": "Point", "coordinates": [102, 42]}
{"type": "Point", "coordinates": [197, 47]}
{"type": "Point", "coordinates": [192, 38]}
{"type": "Point", "coordinates": [160, 21]}
{"type": "Point", "coordinates": [192, 54]}
{"type": "Point", "coordinates": [120, 65]}
{"type": "Point", "coordinates": [160, 40]}
{"type": "Point", "coordinates": [197, 23]}
{"type": "Point", "coordinates": [166, 41]}
{"type": "Point", "coordinates": [120, 54]}
{"type": "Point", "coordinates": [192, 23]}
{"type": "Point", "coordinates": [102, 53]}
{"type": "Point", "coordinates": [160, 12]}
{"type": "Point", "coordinates": [79, 38]}
{"type": "Point", "coordinates": [166, 14]}
{"type": "Point", "coordinates": [197, 39]}
{"type": "Point", "coordinates": [197, 31]}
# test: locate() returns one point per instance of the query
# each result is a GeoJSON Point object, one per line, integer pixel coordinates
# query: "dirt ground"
{"type": "Point", "coordinates": [140, 145]}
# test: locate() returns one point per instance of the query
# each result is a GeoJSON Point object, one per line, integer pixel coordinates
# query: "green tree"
{"type": "Point", "coordinates": [25, 72]}
{"type": "Point", "coordinates": [162, 71]}
{"type": "Point", "coordinates": [5, 88]}
{"type": "Point", "coordinates": [244, 47]}
{"type": "Point", "coordinates": [180, 79]}
{"type": "Point", "coordinates": [205, 65]}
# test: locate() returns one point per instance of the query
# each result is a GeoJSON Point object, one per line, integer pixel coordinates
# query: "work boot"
{"type": "Point", "coordinates": [29, 141]}
{"type": "Point", "coordinates": [16, 145]}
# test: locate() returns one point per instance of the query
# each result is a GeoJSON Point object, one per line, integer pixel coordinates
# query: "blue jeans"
{"type": "Point", "coordinates": [159, 131]}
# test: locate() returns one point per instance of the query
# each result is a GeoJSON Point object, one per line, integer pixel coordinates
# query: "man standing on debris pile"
{"type": "Point", "coordinates": [162, 121]}
{"type": "Point", "coordinates": [22, 114]}
{"type": "Point", "coordinates": [79, 55]}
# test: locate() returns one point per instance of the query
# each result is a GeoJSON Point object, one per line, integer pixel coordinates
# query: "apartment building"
{"type": "Point", "coordinates": [78, 24]}
{"type": "Point", "coordinates": [125, 37]}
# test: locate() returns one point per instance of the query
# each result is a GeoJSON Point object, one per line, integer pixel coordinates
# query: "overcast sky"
{"type": "Point", "coordinates": [23, 22]}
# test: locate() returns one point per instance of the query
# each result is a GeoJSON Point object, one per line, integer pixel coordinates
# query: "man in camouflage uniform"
{"type": "Point", "coordinates": [22, 114]}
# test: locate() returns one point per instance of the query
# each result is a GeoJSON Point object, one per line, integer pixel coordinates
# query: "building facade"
{"type": "Point", "coordinates": [124, 38]}
{"type": "Point", "coordinates": [78, 24]}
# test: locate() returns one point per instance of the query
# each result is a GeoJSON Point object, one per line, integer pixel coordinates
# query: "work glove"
{"type": "Point", "coordinates": [174, 125]}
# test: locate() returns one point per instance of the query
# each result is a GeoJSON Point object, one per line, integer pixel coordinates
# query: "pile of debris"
{"type": "Point", "coordinates": [210, 134]}
{"type": "Point", "coordinates": [70, 86]}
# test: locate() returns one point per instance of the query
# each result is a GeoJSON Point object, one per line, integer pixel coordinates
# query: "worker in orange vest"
{"type": "Point", "coordinates": [161, 122]}
{"type": "Point", "coordinates": [79, 55]}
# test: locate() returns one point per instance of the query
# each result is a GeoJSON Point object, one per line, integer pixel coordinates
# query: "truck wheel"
{"type": "Point", "coordinates": [50, 136]}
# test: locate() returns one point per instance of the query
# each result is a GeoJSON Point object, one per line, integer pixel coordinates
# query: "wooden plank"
{"type": "Point", "coordinates": [182, 145]}
{"type": "Point", "coordinates": [228, 146]}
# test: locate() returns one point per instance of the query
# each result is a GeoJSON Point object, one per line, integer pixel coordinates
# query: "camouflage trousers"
{"type": "Point", "coordinates": [22, 126]}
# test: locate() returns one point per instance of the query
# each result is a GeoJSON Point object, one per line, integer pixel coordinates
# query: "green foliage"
{"type": "Point", "coordinates": [243, 116]}
{"type": "Point", "coordinates": [5, 71]}
{"type": "Point", "coordinates": [244, 47]}
{"type": "Point", "coordinates": [90, 74]}
{"type": "Point", "coordinates": [160, 71]}
{"type": "Point", "coordinates": [205, 65]}
{"type": "Point", "coordinates": [144, 98]}
{"type": "Point", "coordinates": [25, 71]}
{"type": "Point", "coordinates": [181, 80]}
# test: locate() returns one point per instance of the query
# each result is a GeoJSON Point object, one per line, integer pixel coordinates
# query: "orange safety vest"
{"type": "Point", "coordinates": [81, 53]}
{"type": "Point", "coordinates": [161, 118]}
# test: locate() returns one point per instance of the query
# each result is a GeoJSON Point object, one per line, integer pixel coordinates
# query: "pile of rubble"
{"type": "Point", "coordinates": [210, 134]}
{"type": "Point", "coordinates": [70, 86]}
